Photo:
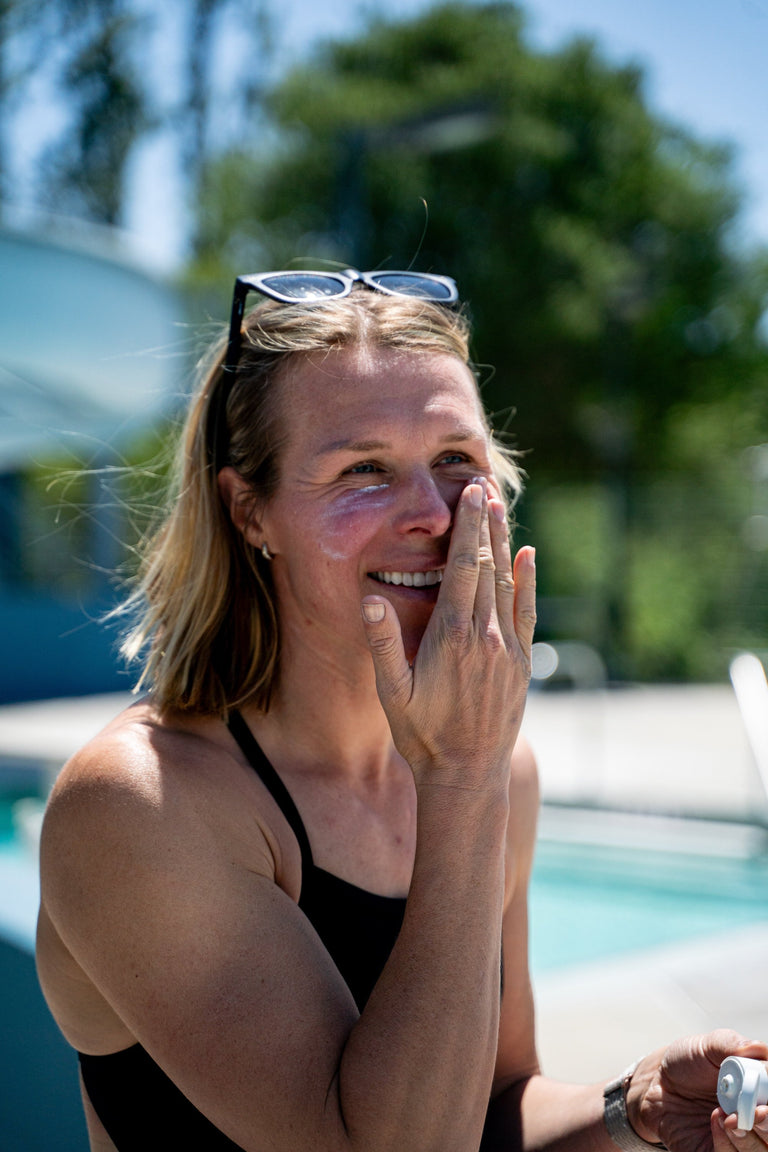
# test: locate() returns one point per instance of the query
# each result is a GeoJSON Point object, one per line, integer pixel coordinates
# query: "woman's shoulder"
{"type": "Point", "coordinates": [525, 773]}
{"type": "Point", "coordinates": [137, 756]}
{"type": "Point", "coordinates": [523, 811]}
{"type": "Point", "coordinates": [153, 832]}
{"type": "Point", "coordinates": [150, 785]}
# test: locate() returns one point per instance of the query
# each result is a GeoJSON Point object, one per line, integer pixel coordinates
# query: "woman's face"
{"type": "Point", "coordinates": [378, 446]}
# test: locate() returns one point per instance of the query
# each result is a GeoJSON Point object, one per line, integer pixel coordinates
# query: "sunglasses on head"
{"type": "Point", "coordinates": [302, 288]}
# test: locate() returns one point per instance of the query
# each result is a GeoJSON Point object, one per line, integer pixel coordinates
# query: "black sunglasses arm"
{"type": "Point", "coordinates": [217, 435]}
{"type": "Point", "coordinates": [242, 288]}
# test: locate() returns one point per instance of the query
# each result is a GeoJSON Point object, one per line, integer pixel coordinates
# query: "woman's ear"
{"type": "Point", "coordinates": [239, 501]}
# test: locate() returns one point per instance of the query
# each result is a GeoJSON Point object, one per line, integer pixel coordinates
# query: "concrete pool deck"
{"type": "Point", "coordinates": [596, 1019]}
{"type": "Point", "coordinates": [674, 751]}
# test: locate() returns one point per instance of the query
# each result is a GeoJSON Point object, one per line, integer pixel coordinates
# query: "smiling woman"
{"type": "Point", "coordinates": [206, 604]}
{"type": "Point", "coordinates": [411, 422]}
{"type": "Point", "coordinates": [284, 897]}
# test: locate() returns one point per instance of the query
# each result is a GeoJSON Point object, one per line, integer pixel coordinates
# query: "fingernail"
{"type": "Point", "coordinates": [475, 494]}
{"type": "Point", "coordinates": [374, 612]}
{"type": "Point", "coordinates": [498, 510]}
{"type": "Point", "coordinates": [762, 1125]}
{"type": "Point", "coordinates": [739, 1133]}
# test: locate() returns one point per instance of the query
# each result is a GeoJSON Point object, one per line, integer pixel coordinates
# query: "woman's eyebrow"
{"type": "Point", "coordinates": [353, 446]}
{"type": "Point", "coordinates": [460, 435]}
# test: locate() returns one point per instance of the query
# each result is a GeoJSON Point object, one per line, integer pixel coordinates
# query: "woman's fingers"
{"type": "Point", "coordinates": [485, 593]}
{"type": "Point", "coordinates": [525, 596]}
{"type": "Point", "coordinates": [459, 702]}
{"type": "Point", "coordinates": [504, 585]}
{"type": "Point", "coordinates": [515, 582]}
{"type": "Point", "coordinates": [394, 678]}
{"type": "Point", "coordinates": [727, 1135]}
{"type": "Point", "coordinates": [761, 1123]}
{"type": "Point", "coordinates": [459, 585]}
{"type": "Point", "coordinates": [478, 552]}
{"type": "Point", "coordinates": [720, 1141]}
{"type": "Point", "coordinates": [481, 583]}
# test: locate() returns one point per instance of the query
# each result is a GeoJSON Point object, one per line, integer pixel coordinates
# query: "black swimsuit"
{"type": "Point", "coordinates": [140, 1107]}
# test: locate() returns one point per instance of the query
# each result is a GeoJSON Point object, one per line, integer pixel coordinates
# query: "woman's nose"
{"type": "Point", "coordinates": [426, 506]}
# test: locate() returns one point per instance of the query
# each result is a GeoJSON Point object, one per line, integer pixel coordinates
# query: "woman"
{"type": "Point", "coordinates": [284, 897]}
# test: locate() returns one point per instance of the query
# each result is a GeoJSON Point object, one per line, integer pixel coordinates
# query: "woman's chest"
{"type": "Point", "coordinates": [364, 836]}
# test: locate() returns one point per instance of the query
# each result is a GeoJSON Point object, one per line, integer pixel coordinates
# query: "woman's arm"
{"type": "Point", "coordinates": [455, 717]}
{"type": "Point", "coordinates": [671, 1095]}
{"type": "Point", "coordinates": [671, 1100]}
{"type": "Point", "coordinates": [213, 968]}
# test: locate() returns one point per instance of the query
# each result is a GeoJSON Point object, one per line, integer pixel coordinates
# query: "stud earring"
{"type": "Point", "coordinates": [265, 551]}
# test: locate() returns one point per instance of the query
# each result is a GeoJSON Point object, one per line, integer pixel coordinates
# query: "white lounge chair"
{"type": "Point", "coordinates": [751, 687]}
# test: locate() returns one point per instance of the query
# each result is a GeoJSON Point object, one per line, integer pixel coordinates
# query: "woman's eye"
{"type": "Point", "coordinates": [362, 469]}
{"type": "Point", "coordinates": [453, 458]}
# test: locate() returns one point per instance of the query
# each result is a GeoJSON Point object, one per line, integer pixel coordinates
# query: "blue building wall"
{"type": "Point", "coordinates": [57, 648]}
{"type": "Point", "coordinates": [40, 1109]}
{"type": "Point", "coordinates": [93, 352]}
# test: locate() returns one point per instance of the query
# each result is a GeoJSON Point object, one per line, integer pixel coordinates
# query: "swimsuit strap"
{"type": "Point", "coordinates": [253, 753]}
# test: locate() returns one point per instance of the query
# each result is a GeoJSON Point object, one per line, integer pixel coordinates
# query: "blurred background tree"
{"type": "Point", "coordinates": [592, 241]}
{"type": "Point", "coordinates": [123, 72]}
{"type": "Point", "coordinates": [84, 170]}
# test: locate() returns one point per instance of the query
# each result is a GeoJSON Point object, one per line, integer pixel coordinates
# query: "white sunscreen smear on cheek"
{"type": "Point", "coordinates": [340, 529]}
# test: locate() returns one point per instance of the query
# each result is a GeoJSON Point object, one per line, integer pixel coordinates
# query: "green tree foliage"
{"type": "Point", "coordinates": [593, 244]}
{"type": "Point", "coordinates": [588, 237]}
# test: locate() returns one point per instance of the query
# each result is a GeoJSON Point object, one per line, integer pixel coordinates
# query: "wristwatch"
{"type": "Point", "coordinates": [615, 1114]}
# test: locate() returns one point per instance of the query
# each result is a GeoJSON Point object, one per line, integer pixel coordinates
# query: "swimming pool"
{"type": "Point", "coordinates": [591, 902]}
{"type": "Point", "coordinates": [588, 901]}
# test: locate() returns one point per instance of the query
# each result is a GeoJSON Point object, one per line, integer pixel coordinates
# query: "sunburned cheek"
{"type": "Point", "coordinates": [341, 529]}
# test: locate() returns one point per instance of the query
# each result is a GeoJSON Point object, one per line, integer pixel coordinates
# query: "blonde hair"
{"type": "Point", "coordinates": [205, 614]}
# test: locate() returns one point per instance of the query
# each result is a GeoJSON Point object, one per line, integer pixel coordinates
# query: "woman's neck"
{"type": "Point", "coordinates": [326, 715]}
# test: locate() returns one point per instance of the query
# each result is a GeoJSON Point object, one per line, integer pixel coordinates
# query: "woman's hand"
{"type": "Point", "coordinates": [461, 703]}
{"type": "Point", "coordinates": [675, 1100]}
{"type": "Point", "coordinates": [726, 1135]}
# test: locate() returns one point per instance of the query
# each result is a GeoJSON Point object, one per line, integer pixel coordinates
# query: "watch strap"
{"type": "Point", "coordinates": [615, 1114]}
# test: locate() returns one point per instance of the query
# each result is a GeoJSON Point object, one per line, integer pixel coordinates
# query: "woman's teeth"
{"type": "Point", "coordinates": [410, 579]}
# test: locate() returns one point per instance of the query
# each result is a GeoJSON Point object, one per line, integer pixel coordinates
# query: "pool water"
{"type": "Point", "coordinates": [7, 823]}
{"type": "Point", "coordinates": [588, 902]}
{"type": "Point", "coordinates": [19, 885]}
